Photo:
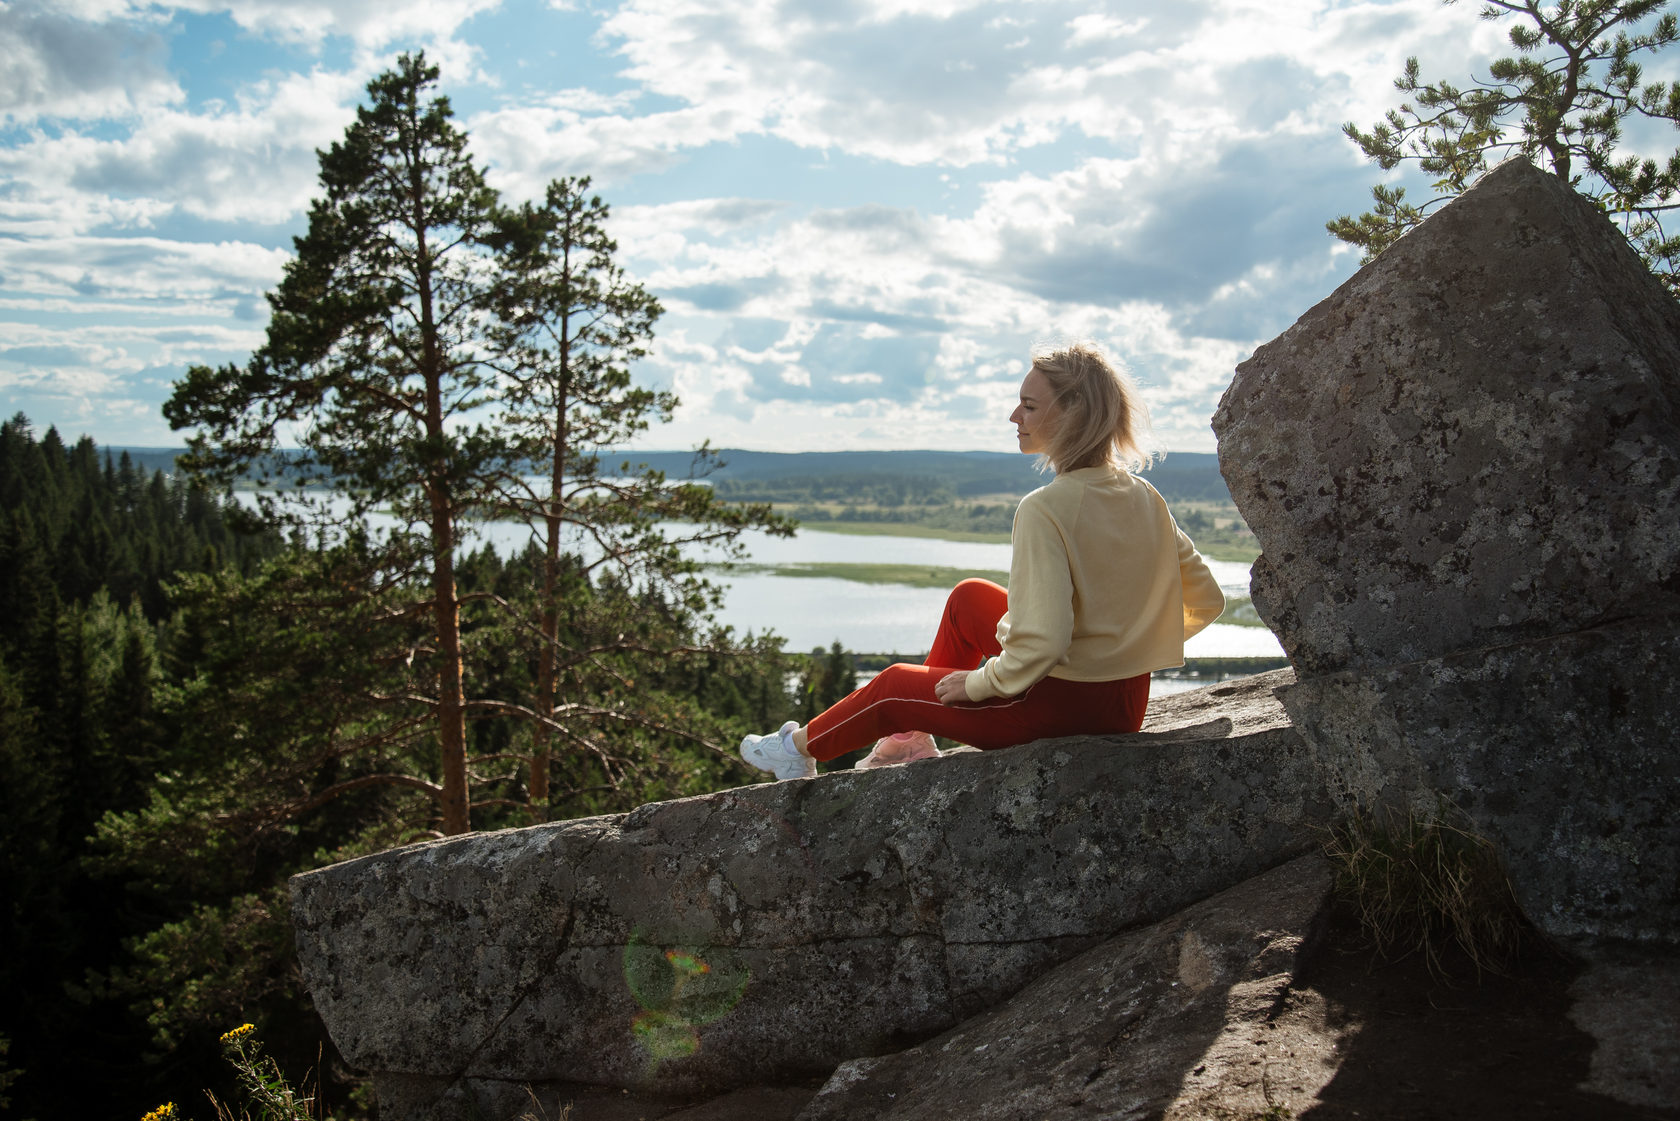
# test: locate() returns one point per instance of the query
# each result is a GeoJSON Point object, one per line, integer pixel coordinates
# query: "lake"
{"type": "Point", "coordinates": [814, 612]}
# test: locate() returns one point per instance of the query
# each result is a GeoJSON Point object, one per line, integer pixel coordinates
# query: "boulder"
{"type": "Point", "coordinates": [758, 934]}
{"type": "Point", "coordinates": [1475, 440]}
{"type": "Point", "coordinates": [1562, 752]}
{"type": "Point", "coordinates": [1462, 468]}
{"type": "Point", "coordinates": [1169, 1013]}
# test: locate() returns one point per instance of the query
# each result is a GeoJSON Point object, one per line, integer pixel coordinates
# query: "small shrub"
{"type": "Point", "coordinates": [1428, 884]}
{"type": "Point", "coordinates": [268, 1095]}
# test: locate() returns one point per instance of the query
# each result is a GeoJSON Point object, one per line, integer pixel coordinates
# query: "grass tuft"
{"type": "Point", "coordinates": [1429, 885]}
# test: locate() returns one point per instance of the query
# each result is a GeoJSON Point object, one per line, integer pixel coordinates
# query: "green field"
{"type": "Point", "coordinates": [1220, 551]}
{"type": "Point", "coordinates": [905, 529]}
{"type": "Point", "coordinates": [913, 575]}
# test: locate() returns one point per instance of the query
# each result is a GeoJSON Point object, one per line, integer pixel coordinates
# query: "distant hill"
{"type": "Point", "coordinates": [1181, 476]}
{"type": "Point", "coordinates": [147, 459]}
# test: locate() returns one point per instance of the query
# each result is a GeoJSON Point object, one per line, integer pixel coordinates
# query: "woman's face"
{"type": "Point", "coordinates": [1035, 418]}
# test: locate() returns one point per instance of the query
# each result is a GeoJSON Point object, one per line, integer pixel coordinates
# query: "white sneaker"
{"type": "Point", "coordinates": [775, 753]}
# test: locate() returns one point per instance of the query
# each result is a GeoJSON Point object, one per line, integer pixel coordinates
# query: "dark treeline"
{"type": "Point", "coordinates": [174, 699]}
{"type": "Point", "coordinates": [87, 546]}
{"type": "Point", "coordinates": [76, 521]}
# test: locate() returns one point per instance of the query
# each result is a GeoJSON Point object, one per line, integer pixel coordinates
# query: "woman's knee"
{"type": "Point", "coordinates": [975, 592]}
{"type": "Point", "coordinates": [897, 680]}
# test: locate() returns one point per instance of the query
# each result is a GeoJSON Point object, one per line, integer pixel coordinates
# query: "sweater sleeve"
{"type": "Point", "coordinates": [1203, 601]}
{"type": "Point", "coordinates": [1040, 618]}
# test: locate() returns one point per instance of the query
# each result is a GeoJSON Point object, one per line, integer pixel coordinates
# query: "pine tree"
{"type": "Point", "coordinates": [376, 360]}
{"type": "Point", "coordinates": [572, 324]}
{"type": "Point", "coordinates": [824, 679]}
{"type": "Point", "coordinates": [1562, 102]}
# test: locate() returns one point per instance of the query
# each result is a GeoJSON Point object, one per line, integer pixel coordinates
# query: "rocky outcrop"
{"type": "Point", "coordinates": [1161, 1015]}
{"type": "Point", "coordinates": [755, 934]}
{"type": "Point", "coordinates": [1463, 468]}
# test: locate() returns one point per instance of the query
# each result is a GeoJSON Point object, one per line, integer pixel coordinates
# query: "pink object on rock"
{"type": "Point", "coordinates": [900, 747]}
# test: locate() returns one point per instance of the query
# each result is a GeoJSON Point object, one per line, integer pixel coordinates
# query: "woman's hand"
{"type": "Point", "coordinates": [953, 687]}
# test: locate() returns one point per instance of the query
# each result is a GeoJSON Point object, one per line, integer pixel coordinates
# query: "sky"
{"type": "Point", "coordinates": [859, 215]}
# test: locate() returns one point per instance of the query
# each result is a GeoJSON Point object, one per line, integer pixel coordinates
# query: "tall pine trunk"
{"type": "Point", "coordinates": [446, 610]}
{"type": "Point", "coordinates": [451, 698]}
{"type": "Point", "coordinates": [547, 693]}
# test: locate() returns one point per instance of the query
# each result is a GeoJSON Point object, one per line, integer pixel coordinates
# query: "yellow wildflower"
{"type": "Point", "coordinates": [238, 1033]}
{"type": "Point", "coordinates": [164, 1112]}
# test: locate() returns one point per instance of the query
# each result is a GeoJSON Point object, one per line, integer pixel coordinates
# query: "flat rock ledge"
{"type": "Point", "coordinates": [1170, 1013]}
{"type": "Point", "coordinates": [767, 934]}
{"type": "Point", "coordinates": [1218, 1011]}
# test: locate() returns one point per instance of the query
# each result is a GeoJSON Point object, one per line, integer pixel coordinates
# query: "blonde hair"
{"type": "Point", "coordinates": [1103, 416]}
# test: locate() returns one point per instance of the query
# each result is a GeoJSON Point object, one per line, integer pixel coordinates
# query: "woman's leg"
{"type": "Point", "coordinates": [967, 633]}
{"type": "Point", "coordinates": [901, 693]}
{"type": "Point", "coordinates": [901, 697]}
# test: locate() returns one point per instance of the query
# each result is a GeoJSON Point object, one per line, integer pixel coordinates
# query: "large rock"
{"type": "Point", "coordinates": [1169, 1013]}
{"type": "Point", "coordinates": [753, 934]}
{"type": "Point", "coordinates": [1474, 440]}
{"type": "Point", "coordinates": [1463, 469]}
{"type": "Point", "coordinates": [1562, 752]}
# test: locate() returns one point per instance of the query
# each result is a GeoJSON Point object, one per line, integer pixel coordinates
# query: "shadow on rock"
{"type": "Point", "coordinates": [1122, 1031]}
{"type": "Point", "coordinates": [1413, 1044]}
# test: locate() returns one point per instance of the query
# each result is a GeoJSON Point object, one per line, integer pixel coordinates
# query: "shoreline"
{"type": "Point", "coordinates": [904, 529]}
{"type": "Point", "coordinates": [1234, 553]}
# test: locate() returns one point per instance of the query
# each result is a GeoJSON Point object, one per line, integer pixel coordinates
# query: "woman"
{"type": "Point", "coordinates": [1103, 589]}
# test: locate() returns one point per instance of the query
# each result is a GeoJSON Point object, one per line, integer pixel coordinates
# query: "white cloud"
{"type": "Point", "coordinates": [1097, 26]}
{"type": "Point", "coordinates": [885, 330]}
{"type": "Point", "coordinates": [252, 162]}
{"type": "Point", "coordinates": [974, 91]}
{"type": "Point", "coordinates": [138, 268]}
{"type": "Point", "coordinates": [530, 145]}
{"type": "Point", "coordinates": [1152, 176]}
{"type": "Point", "coordinates": [81, 382]}
{"type": "Point", "coordinates": [822, 82]}
{"type": "Point", "coordinates": [372, 25]}
{"type": "Point", "coordinates": [63, 61]}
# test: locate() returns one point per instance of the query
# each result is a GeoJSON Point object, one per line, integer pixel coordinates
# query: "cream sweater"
{"type": "Point", "coordinates": [1103, 585]}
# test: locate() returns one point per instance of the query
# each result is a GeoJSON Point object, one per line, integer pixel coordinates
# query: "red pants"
{"type": "Point", "coordinates": [901, 698]}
